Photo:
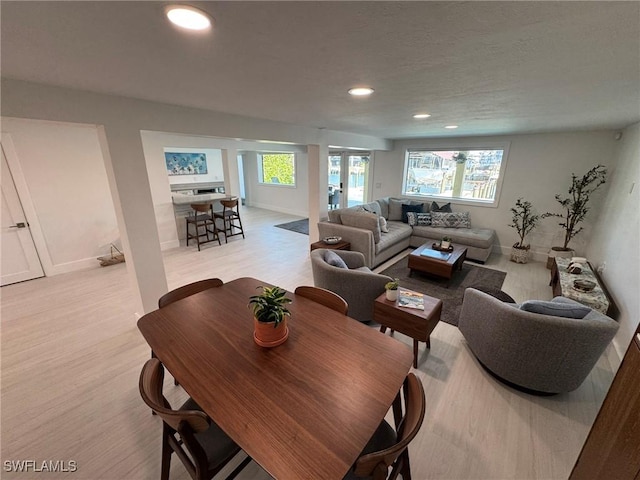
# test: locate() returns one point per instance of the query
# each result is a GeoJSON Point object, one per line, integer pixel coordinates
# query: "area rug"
{"type": "Point", "coordinates": [299, 226]}
{"type": "Point", "coordinates": [452, 294]}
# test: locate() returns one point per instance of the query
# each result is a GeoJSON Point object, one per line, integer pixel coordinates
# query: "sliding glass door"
{"type": "Point", "coordinates": [348, 178]}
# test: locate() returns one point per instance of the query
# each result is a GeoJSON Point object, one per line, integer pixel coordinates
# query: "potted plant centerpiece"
{"type": "Point", "coordinates": [445, 243]}
{"type": "Point", "coordinates": [524, 221]}
{"type": "Point", "coordinates": [270, 316]}
{"type": "Point", "coordinates": [392, 289]}
{"type": "Point", "coordinates": [575, 208]}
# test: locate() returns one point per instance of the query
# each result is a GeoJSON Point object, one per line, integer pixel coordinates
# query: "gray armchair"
{"type": "Point", "coordinates": [357, 284]}
{"type": "Point", "coordinates": [542, 353]}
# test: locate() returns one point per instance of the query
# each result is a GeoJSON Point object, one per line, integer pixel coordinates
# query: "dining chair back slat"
{"type": "Point", "coordinates": [324, 297]}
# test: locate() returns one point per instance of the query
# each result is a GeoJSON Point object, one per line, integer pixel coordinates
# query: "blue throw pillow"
{"type": "Point", "coordinates": [334, 260]}
{"type": "Point", "coordinates": [557, 309]}
{"type": "Point", "coordinates": [444, 208]}
{"type": "Point", "coordinates": [410, 208]}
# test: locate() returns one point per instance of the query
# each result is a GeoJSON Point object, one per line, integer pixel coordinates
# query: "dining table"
{"type": "Point", "coordinates": [301, 410]}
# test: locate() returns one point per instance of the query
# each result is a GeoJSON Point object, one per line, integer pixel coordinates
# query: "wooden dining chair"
{"type": "Point", "coordinates": [188, 290]}
{"type": "Point", "coordinates": [201, 217]}
{"type": "Point", "coordinates": [188, 428]}
{"type": "Point", "coordinates": [230, 216]}
{"type": "Point", "coordinates": [388, 447]}
{"type": "Point", "coordinates": [324, 297]}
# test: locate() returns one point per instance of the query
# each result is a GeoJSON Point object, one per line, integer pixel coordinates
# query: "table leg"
{"type": "Point", "coordinates": [383, 328]}
{"type": "Point", "coordinates": [415, 354]}
{"type": "Point", "coordinates": [429, 342]}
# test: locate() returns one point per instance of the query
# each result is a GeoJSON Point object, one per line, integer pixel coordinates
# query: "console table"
{"type": "Point", "coordinates": [562, 285]}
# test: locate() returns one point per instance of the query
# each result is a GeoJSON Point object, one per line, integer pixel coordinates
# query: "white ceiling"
{"type": "Point", "coordinates": [490, 67]}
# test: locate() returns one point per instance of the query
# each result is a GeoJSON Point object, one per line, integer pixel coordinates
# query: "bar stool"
{"type": "Point", "coordinates": [201, 216]}
{"type": "Point", "coordinates": [230, 216]}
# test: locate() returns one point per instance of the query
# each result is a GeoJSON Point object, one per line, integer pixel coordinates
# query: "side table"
{"type": "Point", "coordinates": [415, 323]}
{"type": "Point", "coordinates": [341, 245]}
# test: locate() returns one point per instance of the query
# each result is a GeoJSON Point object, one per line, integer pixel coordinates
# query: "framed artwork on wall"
{"type": "Point", "coordinates": [186, 163]}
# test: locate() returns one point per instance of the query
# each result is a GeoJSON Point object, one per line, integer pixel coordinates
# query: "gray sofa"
{"type": "Point", "coordinates": [539, 352]}
{"type": "Point", "coordinates": [360, 226]}
{"type": "Point", "coordinates": [357, 284]}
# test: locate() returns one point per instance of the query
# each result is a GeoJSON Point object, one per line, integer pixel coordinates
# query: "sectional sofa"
{"type": "Point", "coordinates": [377, 229]}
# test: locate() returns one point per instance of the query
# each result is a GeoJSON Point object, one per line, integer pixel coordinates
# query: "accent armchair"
{"type": "Point", "coordinates": [352, 280]}
{"type": "Point", "coordinates": [541, 353]}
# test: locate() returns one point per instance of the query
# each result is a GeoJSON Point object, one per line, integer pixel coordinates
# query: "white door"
{"type": "Point", "coordinates": [20, 259]}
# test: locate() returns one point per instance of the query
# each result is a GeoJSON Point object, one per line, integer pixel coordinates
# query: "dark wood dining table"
{"type": "Point", "coordinates": [304, 409]}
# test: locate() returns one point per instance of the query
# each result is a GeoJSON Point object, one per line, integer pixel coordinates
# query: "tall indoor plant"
{"type": "Point", "coordinates": [575, 207]}
{"type": "Point", "coordinates": [524, 221]}
{"type": "Point", "coordinates": [270, 316]}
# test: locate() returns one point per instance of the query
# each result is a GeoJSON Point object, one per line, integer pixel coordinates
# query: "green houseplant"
{"type": "Point", "coordinates": [445, 243]}
{"type": "Point", "coordinates": [575, 206]}
{"type": "Point", "coordinates": [524, 221]}
{"type": "Point", "coordinates": [270, 316]}
{"type": "Point", "coordinates": [392, 289]}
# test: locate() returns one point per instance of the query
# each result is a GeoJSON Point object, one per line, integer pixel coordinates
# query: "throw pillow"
{"type": "Point", "coordinates": [384, 228]}
{"type": "Point", "coordinates": [334, 260]}
{"type": "Point", "coordinates": [557, 309]}
{"type": "Point", "coordinates": [420, 219]}
{"type": "Point", "coordinates": [395, 209]}
{"type": "Point", "coordinates": [451, 220]}
{"type": "Point", "coordinates": [364, 220]}
{"type": "Point", "coordinates": [410, 208]}
{"type": "Point", "coordinates": [444, 208]}
{"type": "Point", "coordinates": [383, 203]}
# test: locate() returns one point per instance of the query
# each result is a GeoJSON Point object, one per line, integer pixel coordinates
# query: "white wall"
{"type": "Point", "coordinates": [538, 167]}
{"type": "Point", "coordinates": [616, 240]}
{"type": "Point", "coordinates": [63, 167]}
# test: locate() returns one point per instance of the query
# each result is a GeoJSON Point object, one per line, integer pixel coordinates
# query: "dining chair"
{"type": "Point", "coordinates": [188, 290]}
{"type": "Point", "coordinates": [208, 448]}
{"type": "Point", "coordinates": [201, 217]}
{"type": "Point", "coordinates": [230, 216]}
{"type": "Point", "coordinates": [388, 446]}
{"type": "Point", "coordinates": [324, 297]}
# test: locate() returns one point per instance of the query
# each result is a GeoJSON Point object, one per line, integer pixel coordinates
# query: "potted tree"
{"type": "Point", "coordinates": [392, 289]}
{"type": "Point", "coordinates": [575, 208]}
{"type": "Point", "coordinates": [269, 315]}
{"type": "Point", "coordinates": [524, 221]}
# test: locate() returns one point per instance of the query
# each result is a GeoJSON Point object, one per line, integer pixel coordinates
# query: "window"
{"type": "Point", "coordinates": [471, 175]}
{"type": "Point", "coordinates": [277, 168]}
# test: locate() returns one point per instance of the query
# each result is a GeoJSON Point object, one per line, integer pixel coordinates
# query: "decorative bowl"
{"type": "Point", "coordinates": [331, 240]}
{"type": "Point", "coordinates": [584, 285]}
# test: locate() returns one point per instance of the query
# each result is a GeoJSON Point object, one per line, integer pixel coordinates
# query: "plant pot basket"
{"type": "Point", "coordinates": [558, 252]}
{"type": "Point", "coordinates": [520, 255]}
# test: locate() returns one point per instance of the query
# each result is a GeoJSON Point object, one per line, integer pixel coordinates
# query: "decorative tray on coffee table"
{"type": "Point", "coordinates": [436, 246]}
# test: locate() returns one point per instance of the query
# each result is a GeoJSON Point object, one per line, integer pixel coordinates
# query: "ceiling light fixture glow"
{"type": "Point", "coordinates": [451, 126]}
{"type": "Point", "coordinates": [188, 17]}
{"type": "Point", "coordinates": [360, 91]}
{"type": "Point", "coordinates": [421, 115]}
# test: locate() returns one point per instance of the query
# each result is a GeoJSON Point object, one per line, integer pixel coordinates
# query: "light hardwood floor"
{"type": "Point", "coordinates": [72, 354]}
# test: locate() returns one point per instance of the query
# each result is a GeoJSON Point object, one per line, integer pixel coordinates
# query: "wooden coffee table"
{"type": "Point", "coordinates": [425, 259]}
{"type": "Point", "coordinates": [415, 323]}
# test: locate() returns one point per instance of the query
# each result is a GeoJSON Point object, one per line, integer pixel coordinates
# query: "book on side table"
{"type": "Point", "coordinates": [410, 299]}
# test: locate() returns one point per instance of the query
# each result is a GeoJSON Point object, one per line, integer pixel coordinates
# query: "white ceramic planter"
{"type": "Point", "coordinates": [392, 295]}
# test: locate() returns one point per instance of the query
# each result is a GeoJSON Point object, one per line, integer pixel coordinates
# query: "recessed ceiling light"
{"type": "Point", "coordinates": [188, 17]}
{"type": "Point", "coordinates": [360, 91]}
{"type": "Point", "coordinates": [421, 115]}
{"type": "Point", "coordinates": [451, 126]}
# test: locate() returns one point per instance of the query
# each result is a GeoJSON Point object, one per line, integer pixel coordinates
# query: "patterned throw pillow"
{"type": "Point", "coordinates": [421, 219]}
{"type": "Point", "coordinates": [384, 228]}
{"type": "Point", "coordinates": [450, 220]}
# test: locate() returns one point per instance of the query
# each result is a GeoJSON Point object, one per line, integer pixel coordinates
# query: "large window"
{"type": "Point", "coordinates": [277, 168]}
{"type": "Point", "coordinates": [473, 175]}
